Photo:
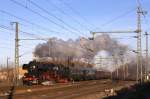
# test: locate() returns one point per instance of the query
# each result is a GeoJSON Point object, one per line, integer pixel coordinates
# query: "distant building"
{"type": "Point", "coordinates": [21, 72]}
{"type": "Point", "coordinates": [4, 74]}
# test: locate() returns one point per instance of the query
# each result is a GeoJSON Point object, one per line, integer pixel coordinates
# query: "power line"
{"type": "Point", "coordinates": [146, 42]}
{"type": "Point", "coordinates": [139, 3]}
{"type": "Point", "coordinates": [2, 47]}
{"type": "Point", "coordinates": [35, 39]}
{"type": "Point", "coordinates": [5, 31]}
{"type": "Point", "coordinates": [33, 35]}
{"type": "Point", "coordinates": [42, 16]}
{"type": "Point", "coordinates": [27, 33]}
{"type": "Point", "coordinates": [25, 53]}
{"type": "Point", "coordinates": [6, 46]}
{"type": "Point", "coordinates": [146, 22]}
{"type": "Point", "coordinates": [24, 25]}
{"type": "Point", "coordinates": [27, 45]}
{"type": "Point", "coordinates": [6, 43]}
{"type": "Point", "coordinates": [29, 22]}
{"type": "Point", "coordinates": [144, 15]}
{"type": "Point", "coordinates": [35, 4]}
{"type": "Point", "coordinates": [77, 13]}
{"type": "Point", "coordinates": [63, 12]}
{"type": "Point", "coordinates": [7, 28]}
{"type": "Point", "coordinates": [106, 23]}
{"type": "Point", "coordinates": [118, 17]}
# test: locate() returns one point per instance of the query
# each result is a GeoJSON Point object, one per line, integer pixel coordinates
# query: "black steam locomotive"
{"type": "Point", "coordinates": [38, 72]}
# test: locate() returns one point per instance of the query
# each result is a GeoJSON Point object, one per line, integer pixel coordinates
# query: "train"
{"type": "Point", "coordinates": [58, 72]}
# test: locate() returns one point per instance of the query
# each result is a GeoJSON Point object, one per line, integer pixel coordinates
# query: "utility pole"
{"type": "Point", "coordinates": [127, 69]}
{"type": "Point", "coordinates": [116, 65]}
{"type": "Point", "coordinates": [50, 49]}
{"type": "Point", "coordinates": [49, 45]}
{"type": "Point", "coordinates": [8, 78]}
{"type": "Point", "coordinates": [118, 32]}
{"type": "Point", "coordinates": [100, 61]}
{"type": "Point", "coordinates": [123, 66]}
{"type": "Point", "coordinates": [139, 45]}
{"type": "Point", "coordinates": [16, 53]}
{"type": "Point", "coordinates": [124, 70]}
{"type": "Point", "coordinates": [127, 72]}
{"type": "Point", "coordinates": [117, 70]}
{"type": "Point", "coordinates": [138, 42]}
{"type": "Point", "coordinates": [111, 75]}
{"type": "Point", "coordinates": [146, 63]}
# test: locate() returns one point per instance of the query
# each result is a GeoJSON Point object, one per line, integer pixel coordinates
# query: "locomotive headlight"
{"type": "Point", "coordinates": [55, 68]}
{"type": "Point", "coordinates": [33, 67]}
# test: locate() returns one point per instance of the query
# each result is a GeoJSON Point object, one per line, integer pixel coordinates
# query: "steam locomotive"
{"type": "Point", "coordinates": [38, 72]}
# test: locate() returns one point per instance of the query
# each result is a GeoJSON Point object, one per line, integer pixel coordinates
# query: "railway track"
{"type": "Point", "coordinates": [68, 91]}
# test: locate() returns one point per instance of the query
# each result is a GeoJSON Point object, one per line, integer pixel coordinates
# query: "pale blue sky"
{"type": "Point", "coordinates": [96, 12]}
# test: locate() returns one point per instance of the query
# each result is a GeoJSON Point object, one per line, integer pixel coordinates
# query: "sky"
{"type": "Point", "coordinates": [69, 19]}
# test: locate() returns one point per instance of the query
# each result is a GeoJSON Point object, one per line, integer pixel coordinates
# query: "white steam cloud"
{"type": "Point", "coordinates": [83, 49]}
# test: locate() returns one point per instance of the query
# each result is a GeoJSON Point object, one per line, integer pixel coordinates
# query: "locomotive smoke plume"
{"type": "Point", "coordinates": [80, 49]}
{"type": "Point", "coordinates": [110, 62]}
{"type": "Point", "coordinates": [104, 61]}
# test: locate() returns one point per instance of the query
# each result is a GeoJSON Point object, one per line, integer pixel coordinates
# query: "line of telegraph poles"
{"type": "Point", "coordinates": [139, 45]}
